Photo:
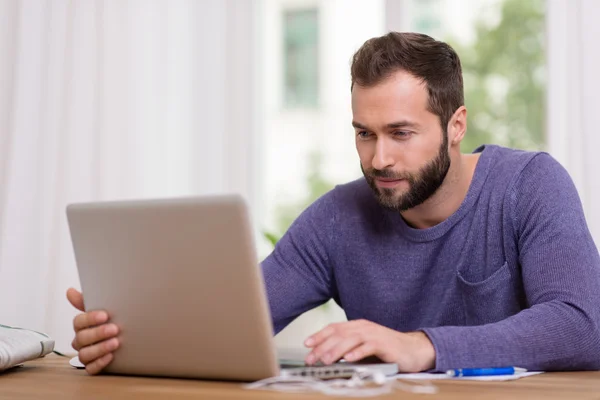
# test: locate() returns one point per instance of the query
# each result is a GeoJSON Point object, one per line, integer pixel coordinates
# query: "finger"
{"type": "Point", "coordinates": [76, 299]}
{"type": "Point", "coordinates": [323, 334]}
{"type": "Point", "coordinates": [341, 348]}
{"type": "Point", "coordinates": [98, 365]}
{"type": "Point", "coordinates": [91, 353]}
{"type": "Point", "coordinates": [87, 337]}
{"type": "Point", "coordinates": [358, 353]}
{"type": "Point", "coordinates": [348, 326]}
{"type": "Point", "coordinates": [318, 351]}
{"type": "Point", "coordinates": [89, 319]}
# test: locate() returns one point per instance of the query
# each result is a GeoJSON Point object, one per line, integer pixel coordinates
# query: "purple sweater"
{"type": "Point", "coordinates": [511, 278]}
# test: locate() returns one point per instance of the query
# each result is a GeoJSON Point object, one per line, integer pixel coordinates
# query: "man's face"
{"type": "Point", "coordinates": [402, 148]}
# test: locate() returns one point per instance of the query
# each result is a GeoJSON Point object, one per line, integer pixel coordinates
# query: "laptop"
{"type": "Point", "coordinates": [181, 279]}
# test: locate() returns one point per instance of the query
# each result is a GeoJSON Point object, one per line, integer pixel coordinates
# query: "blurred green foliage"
{"type": "Point", "coordinates": [504, 77]}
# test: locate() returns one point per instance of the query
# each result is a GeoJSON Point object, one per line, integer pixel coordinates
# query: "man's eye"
{"type": "Point", "coordinates": [402, 134]}
{"type": "Point", "coordinates": [363, 134]}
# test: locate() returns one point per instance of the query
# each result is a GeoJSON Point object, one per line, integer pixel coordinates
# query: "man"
{"type": "Point", "coordinates": [440, 259]}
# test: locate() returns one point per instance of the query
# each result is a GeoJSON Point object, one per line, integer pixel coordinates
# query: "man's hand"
{"type": "Point", "coordinates": [355, 340]}
{"type": "Point", "coordinates": [95, 338]}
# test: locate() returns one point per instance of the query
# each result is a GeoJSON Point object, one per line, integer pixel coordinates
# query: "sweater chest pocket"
{"type": "Point", "coordinates": [491, 300]}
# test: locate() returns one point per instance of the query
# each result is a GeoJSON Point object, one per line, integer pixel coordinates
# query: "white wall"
{"type": "Point", "coordinates": [105, 100]}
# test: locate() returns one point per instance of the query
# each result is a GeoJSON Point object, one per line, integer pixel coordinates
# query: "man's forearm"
{"type": "Point", "coordinates": [548, 336]}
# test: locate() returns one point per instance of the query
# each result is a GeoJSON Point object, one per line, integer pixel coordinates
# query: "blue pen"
{"type": "Point", "coordinates": [485, 371]}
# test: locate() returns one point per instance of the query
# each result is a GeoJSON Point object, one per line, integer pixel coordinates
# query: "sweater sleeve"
{"type": "Point", "coordinates": [560, 267]}
{"type": "Point", "coordinates": [297, 273]}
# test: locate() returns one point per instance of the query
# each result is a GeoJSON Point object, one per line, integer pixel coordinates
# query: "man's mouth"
{"type": "Point", "coordinates": [387, 183]}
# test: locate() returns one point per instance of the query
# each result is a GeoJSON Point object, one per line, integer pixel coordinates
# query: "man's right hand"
{"type": "Point", "coordinates": [95, 338]}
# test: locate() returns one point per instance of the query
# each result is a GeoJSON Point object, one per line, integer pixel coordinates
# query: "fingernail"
{"type": "Point", "coordinates": [101, 317]}
{"type": "Point", "coordinates": [349, 356]}
{"type": "Point", "coordinates": [112, 344]}
{"type": "Point", "coordinates": [327, 359]}
{"type": "Point", "coordinates": [310, 359]}
{"type": "Point", "coordinates": [111, 329]}
{"type": "Point", "coordinates": [309, 342]}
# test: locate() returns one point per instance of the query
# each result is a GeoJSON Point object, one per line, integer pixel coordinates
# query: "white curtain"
{"type": "Point", "coordinates": [112, 99]}
{"type": "Point", "coordinates": [573, 102]}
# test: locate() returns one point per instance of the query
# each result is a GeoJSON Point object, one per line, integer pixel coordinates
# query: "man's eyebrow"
{"type": "Point", "coordinates": [402, 124]}
{"type": "Point", "coordinates": [358, 125]}
{"type": "Point", "coordinates": [393, 125]}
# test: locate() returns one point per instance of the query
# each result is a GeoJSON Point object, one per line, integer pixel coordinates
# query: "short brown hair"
{"type": "Point", "coordinates": [434, 62]}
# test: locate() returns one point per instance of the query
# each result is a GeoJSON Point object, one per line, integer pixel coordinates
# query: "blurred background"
{"type": "Point", "coordinates": [123, 99]}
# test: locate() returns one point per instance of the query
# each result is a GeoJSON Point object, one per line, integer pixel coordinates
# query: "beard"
{"type": "Point", "coordinates": [422, 184]}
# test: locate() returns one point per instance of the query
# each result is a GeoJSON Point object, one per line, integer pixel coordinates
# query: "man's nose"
{"type": "Point", "coordinates": [382, 158]}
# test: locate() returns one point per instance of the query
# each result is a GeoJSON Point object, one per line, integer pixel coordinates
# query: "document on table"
{"type": "Point", "coordinates": [19, 345]}
{"type": "Point", "coordinates": [439, 376]}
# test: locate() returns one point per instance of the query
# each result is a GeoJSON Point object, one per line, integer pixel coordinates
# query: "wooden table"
{"type": "Point", "coordinates": [53, 378]}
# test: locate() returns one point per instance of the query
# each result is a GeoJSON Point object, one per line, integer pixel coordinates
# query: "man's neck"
{"type": "Point", "coordinates": [448, 198]}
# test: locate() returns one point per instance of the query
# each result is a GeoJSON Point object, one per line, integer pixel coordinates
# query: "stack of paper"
{"type": "Point", "coordinates": [20, 345]}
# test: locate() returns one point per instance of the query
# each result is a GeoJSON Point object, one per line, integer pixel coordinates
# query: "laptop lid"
{"type": "Point", "coordinates": [180, 277]}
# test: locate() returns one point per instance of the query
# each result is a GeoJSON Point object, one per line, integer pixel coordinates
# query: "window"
{"type": "Point", "coordinates": [426, 17]}
{"type": "Point", "coordinates": [301, 58]}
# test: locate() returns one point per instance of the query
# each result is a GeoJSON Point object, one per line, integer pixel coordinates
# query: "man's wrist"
{"type": "Point", "coordinates": [425, 350]}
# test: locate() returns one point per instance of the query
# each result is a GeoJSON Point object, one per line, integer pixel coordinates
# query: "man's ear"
{"type": "Point", "coordinates": [457, 126]}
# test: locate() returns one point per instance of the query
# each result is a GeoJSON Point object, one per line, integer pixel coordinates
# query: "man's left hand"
{"type": "Point", "coordinates": [355, 340]}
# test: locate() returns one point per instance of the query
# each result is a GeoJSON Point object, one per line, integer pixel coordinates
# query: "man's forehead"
{"type": "Point", "coordinates": [398, 90]}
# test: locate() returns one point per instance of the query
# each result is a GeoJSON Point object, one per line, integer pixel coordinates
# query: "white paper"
{"type": "Point", "coordinates": [427, 376]}
{"type": "Point", "coordinates": [20, 345]}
